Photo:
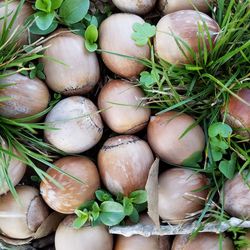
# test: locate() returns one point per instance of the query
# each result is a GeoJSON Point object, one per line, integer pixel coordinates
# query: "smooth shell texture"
{"type": "Point", "coordinates": [16, 169]}
{"type": "Point", "coordinates": [28, 96]}
{"type": "Point", "coordinates": [73, 194]}
{"type": "Point", "coordinates": [176, 196]}
{"type": "Point", "coordinates": [86, 238]}
{"type": "Point", "coordinates": [238, 113]}
{"type": "Point", "coordinates": [22, 221]}
{"type": "Point", "coordinates": [139, 242]}
{"type": "Point", "coordinates": [25, 12]}
{"type": "Point", "coordinates": [122, 107]}
{"type": "Point", "coordinates": [78, 71]}
{"type": "Point", "coordinates": [169, 6]}
{"type": "Point", "coordinates": [115, 36]}
{"type": "Point", "coordinates": [164, 132]}
{"type": "Point", "coordinates": [183, 25]}
{"type": "Point", "coordinates": [136, 242]}
{"type": "Point", "coordinates": [203, 241]}
{"type": "Point", "coordinates": [237, 197]}
{"type": "Point", "coordinates": [124, 163]}
{"type": "Point", "coordinates": [139, 7]}
{"type": "Point", "coordinates": [79, 126]}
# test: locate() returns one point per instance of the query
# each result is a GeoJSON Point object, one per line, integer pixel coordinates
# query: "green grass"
{"type": "Point", "coordinates": [22, 135]}
{"type": "Point", "coordinates": [202, 88]}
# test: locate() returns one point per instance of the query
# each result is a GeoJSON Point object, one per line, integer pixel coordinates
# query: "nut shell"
{"type": "Point", "coordinates": [122, 107]}
{"type": "Point", "coordinates": [86, 238]}
{"type": "Point", "coordinates": [22, 220]}
{"type": "Point", "coordinates": [65, 200]}
{"type": "Point", "coordinates": [203, 241]}
{"type": "Point", "coordinates": [115, 36]}
{"type": "Point", "coordinates": [78, 125]}
{"type": "Point", "coordinates": [238, 113]}
{"type": "Point", "coordinates": [19, 22]}
{"type": "Point", "coordinates": [164, 132]}
{"type": "Point", "coordinates": [169, 6]}
{"type": "Point", "coordinates": [124, 163]}
{"type": "Point", "coordinates": [176, 203]}
{"type": "Point", "coordinates": [28, 96]}
{"type": "Point", "coordinates": [79, 69]}
{"type": "Point", "coordinates": [237, 197]}
{"type": "Point", "coordinates": [16, 168]}
{"type": "Point", "coordinates": [183, 25]}
{"type": "Point", "coordinates": [139, 7]}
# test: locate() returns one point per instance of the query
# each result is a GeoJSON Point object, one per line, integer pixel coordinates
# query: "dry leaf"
{"type": "Point", "coordinates": [152, 191]}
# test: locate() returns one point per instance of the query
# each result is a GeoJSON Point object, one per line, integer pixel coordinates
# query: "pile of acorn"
{"type": "Point", "coordinates": [122, 164]}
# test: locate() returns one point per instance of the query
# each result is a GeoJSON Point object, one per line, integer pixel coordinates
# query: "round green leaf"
{"type": "Point", "coordinates": [56, 4]}
{"type": "Point", "coordinates": [91, 33]}
{"type": "Point", "coordinates": [36, 31]}
{"type": "Point", "coordinates": [112, 213]}
{"type": "Point", "coordinates": [43, 5]}
{"type": "Point", "coordinates": [80, 221]}
{"type": "Point", "coordinates": [103, 195]}
{"type": "Point", "coordinates": [134, 217]}
{"type": "Point", "coordinates": [91, 47]}
{"type": "Point", "coordinates": [128, 206]}
{"type": "Point", "coordinates": [138, 197]}
{"type": "Point", "coordinates": [44, 20]}
{"type": "Point", "coordinates": [73, 11]}
{"type": "Point", "coordinates": [221, 129]}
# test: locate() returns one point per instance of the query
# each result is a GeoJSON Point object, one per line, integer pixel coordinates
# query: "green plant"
{"type": "Point", "coordinates": [142, 33]}
{"type": "Point", "coordinates": [219, 141]}
{"type": "Point", "coordinates": [51, 13]}
{"type": "Point", "coordinates": [73, 14]}
{"type": "Point", "coordinates": [91, 36]}
{"type": "Point", "coordinates": [22, 135]}
{"type": "Point", "coordinates": [35, 70]}
{"type": "Point", "coordinates": [111, 211]}
{"type": "Point", "coordinates": [202, 89]}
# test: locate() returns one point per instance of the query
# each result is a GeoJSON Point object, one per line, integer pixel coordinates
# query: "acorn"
{"type": "Point", "coordinates": [85, 238]}
{"type": "Point", "coordinates": [203, 241]}
{"type": "Point", "coordinates": [237, 196]}
{"type": "Point", "coordinates": [237, 113]}
{"type": "Point", "coordinates": [28, 97]}
{"type": "Point", "coordinates": [169, 6]}
{"type": "Point", "coordinates": [76, 123]}
{"type": "Point", "coordinates": [176, 31]}
{"type": "Point", "coordinates": [140, 7]}
{"type": "Point", "coordinates": [21, 220]}
{"type": "Point", "coordinates": [73, 70]}
{"type": "Point", "coordinates": [167, 137]}
{"type": "Point", "coordinates": [136, 242]}
{"type": "Point", "coordinates": [178, 198]}
{"type": "Point", "coordinates": [116, 43]}
{"type": "Point", "coordinates": [76, 188]}
{"type": "Point", "coordinates": [124, 162]}
{"type": "Point", "coordinates": [15, 168]}
{"type": "Point", "coordinates": [19, 22]}
{"type": "Point", "coordinates": [122, 107]}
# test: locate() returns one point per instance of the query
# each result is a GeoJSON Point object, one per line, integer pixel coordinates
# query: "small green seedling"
{"type": "Point", "coordinates": [219, 135]}
{"type": "Point", "coordinates": [111, 211]}
{"type": "Point", "coordinates": [46, 14]}
{"type": "Point", "coordinates": [36, 70]}
{"type": "Point", "coordinates": [142, 33]}
{"type": "Point", "coordinates": [51, 13]}
{"type": "Point", "coordinates": [91, 36]}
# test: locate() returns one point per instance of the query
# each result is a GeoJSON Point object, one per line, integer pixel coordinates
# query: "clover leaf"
{"type": "Point", "coordinates": [142, 33]}
{"type": "Point", "coordinates": [221, 129]}
{"type": "Point", "coordinates": [228, 167]}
